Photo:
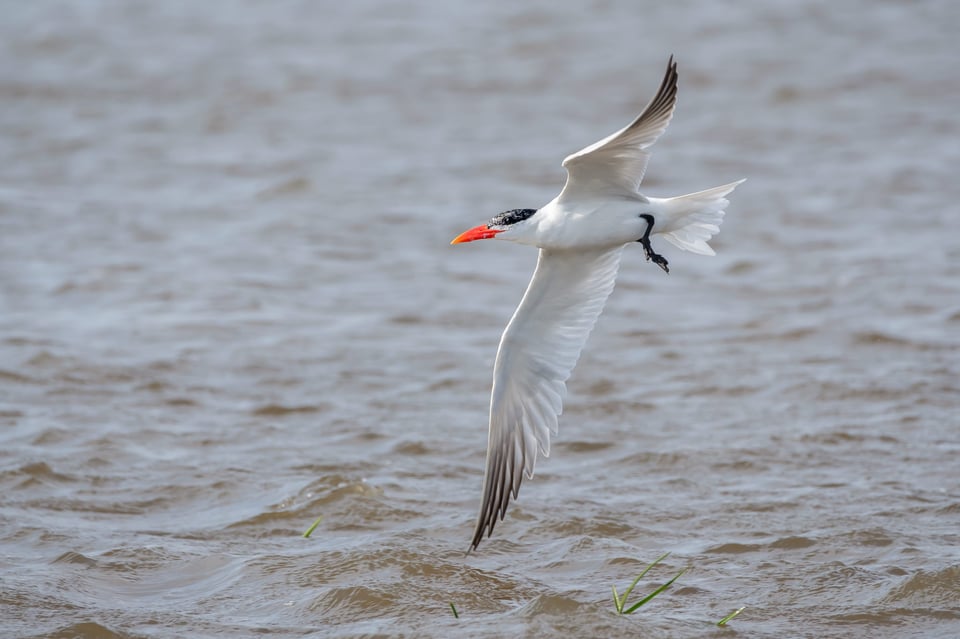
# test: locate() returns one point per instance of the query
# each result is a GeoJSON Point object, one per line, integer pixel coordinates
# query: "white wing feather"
{"type": "Point", "coordinates": [537, 353]}
{"type": "Point", "coordinates": [616, 164]}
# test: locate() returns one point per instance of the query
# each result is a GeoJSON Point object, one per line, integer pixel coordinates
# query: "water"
{"type": "Point", "coordinates": [228, 306]}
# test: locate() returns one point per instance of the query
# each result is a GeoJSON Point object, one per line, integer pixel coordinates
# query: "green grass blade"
{"type": "Point", "coordinates": [454, 609]}
{"type": "Point", "coordinates": [653, 594]}
{"type": "Point", "coordinates": [627, 592]}
{"type": "Point", "coordinates": [313, 526]}
{"type": "Point", "coordinates": [655, 562]}
{"type": "Point", "coordinates": [733, 614]}
{"type": "Point", "coordinates": [616, 601]}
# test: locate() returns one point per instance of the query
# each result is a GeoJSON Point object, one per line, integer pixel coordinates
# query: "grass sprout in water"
{"type": "Point", "coordinates": [733, 614]}
{"type": "Point", "coordinates": [454, 609]}
{"type": "Point", "coordinates": [620, 601]}
{"type": "Point", "coordinates": [313, 526]}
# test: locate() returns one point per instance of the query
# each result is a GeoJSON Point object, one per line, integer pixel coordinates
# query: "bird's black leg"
{"type": "Point", "coordinates": [658, 259]}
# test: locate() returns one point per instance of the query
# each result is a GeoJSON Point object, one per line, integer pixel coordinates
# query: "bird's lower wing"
{"type": "Point", "coordinates": [537, 353]}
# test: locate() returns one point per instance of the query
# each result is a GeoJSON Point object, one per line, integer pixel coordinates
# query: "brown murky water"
{"type": "Point", "coordinates": [228, 307]}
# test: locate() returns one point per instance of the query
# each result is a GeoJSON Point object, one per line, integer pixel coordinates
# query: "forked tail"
{"type": "Point", "coordinates": [688, 221]}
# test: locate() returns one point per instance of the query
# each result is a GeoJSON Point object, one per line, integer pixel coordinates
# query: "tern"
{"type": "Point", "coordinates": [581, 235]}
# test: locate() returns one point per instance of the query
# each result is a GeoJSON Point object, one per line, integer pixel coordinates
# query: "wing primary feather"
{"type": "Point", "coordinates": [662, 103]}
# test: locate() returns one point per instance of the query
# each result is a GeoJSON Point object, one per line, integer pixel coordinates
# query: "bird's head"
{"type": "Point", "coordinates": [509, 225]}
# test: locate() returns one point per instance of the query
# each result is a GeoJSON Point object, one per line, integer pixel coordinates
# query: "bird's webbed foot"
{"type": "Point", "coordinates": [648, 251]}
{"type": "Point", "coordinates": [657, 259]}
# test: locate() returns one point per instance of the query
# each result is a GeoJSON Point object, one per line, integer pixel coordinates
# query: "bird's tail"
{"type": "Point", "coordinates": [688, 221]}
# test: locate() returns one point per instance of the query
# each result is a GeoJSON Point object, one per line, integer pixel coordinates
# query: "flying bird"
{"type": "Point", "coordinates": [581, 235]}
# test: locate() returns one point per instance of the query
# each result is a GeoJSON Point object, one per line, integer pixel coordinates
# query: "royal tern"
{"type": "Point", "coordinates": [581, 234]}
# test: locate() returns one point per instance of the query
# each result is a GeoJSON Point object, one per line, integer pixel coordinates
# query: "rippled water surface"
{"type": "Point", "coordinates": [228, 307]}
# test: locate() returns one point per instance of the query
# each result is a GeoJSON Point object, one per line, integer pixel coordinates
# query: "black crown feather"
{"type": "Point", "coordinates": [511, 217]}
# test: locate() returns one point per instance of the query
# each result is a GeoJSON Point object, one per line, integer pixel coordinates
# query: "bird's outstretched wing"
{"type": "Point", "coordinates": [615, 164]}
{"type": "Point", "coordinates": [537, 353]}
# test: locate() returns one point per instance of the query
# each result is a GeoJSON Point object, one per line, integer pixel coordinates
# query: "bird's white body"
{"type": "Point", "coordinates": [581, 235]}
{"type": "Point", "coordinates": [567, 223]}
{"type": "Point", "coordinates": [581, 221]}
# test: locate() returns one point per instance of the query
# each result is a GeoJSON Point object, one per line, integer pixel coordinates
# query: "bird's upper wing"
{"type": "Point", "coordinates": [616, 164]}
{"type": "Point", "coordinates": [537, 353]}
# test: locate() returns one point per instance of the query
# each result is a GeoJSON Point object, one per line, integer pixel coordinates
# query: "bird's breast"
{"type": "Point", "coordinates": [598, 224]}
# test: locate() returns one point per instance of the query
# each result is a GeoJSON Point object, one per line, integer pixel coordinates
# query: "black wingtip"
{"type": "Point", "coordinates": [481, 528]}
{"type": "Point", "coordinates": [670, 77]}
{"type": "Point", "coordinates": [484, 529]}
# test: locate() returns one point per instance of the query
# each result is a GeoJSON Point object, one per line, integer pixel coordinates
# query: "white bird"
{"type": "Point", "coordinates": [581, 234]}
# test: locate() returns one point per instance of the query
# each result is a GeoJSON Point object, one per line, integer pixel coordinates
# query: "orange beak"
{"type": "Point", "coordinates": [476, 233]}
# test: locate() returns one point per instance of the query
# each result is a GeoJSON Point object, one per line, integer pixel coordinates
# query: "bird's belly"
{"type": "Point", "coordinates": [606, 224]}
